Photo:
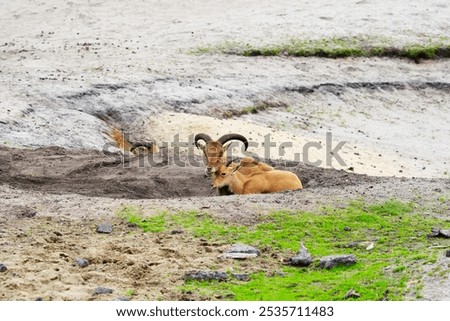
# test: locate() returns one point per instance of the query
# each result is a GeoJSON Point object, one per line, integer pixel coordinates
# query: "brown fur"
{"type": "Point", "coordinates": [125, 146]}
{"type": "Point", "coordinates": [262, 180]}
{"type": "Point", "coordinates": [250, 166]}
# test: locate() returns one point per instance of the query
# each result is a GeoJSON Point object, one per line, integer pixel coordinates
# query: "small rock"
{"type": "Point", "coordinates": [237, 256]}
{"type": "Point", "coordinates": [241, 251]}
{"type": "Point", "coordinates": [3, 267]}
{"type": "Point", "coordinates": [104, 228]}
{"type": "Point", "coordinates": [206, 276]}
{"type": "Point", "coordinates": [81, 262]}
{"type": "Point", "coordinates": [437, 232]}
{"type": "Point", "coordinates": [102, 290]}
{"type": "Point", "coordinates": [241, 277]}
{"type": "Point", "coordinates": [351, 294]}
{"type": "Point", "coordinates": [331, 261]}
{"type": "Point", "coordinates": [303, 257]}
{"type": "Point", "coordinates": [371, 245]}
{"type": "Point", "coordinates": [25, 212]}
{"type": "Point", "coordinates": [177, 231]}
{"type": "Point", "coordinates": [121, 299]}
{"type": "Point", "coordinates": [347, 228]}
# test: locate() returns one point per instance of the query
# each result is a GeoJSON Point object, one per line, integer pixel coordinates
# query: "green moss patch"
{"type": "Point", "coordinates": [338, 48]}
{"type": "Point", "coordinates": [388, 271]}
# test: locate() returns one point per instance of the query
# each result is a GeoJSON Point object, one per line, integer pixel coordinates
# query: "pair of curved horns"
{"type": "Point", "coordinates": [222, 140]}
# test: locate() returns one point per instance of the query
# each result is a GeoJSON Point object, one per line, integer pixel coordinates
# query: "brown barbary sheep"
{"type": "Point", "coordinates": [215, 150]}
{"type": "Point", "coordinates": [254, 180]}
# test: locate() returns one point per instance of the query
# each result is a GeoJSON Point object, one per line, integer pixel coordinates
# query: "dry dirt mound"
{"type": "Point", "coordinates": [59, 171]}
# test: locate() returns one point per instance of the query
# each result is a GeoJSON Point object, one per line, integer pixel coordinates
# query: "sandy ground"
{"type": "Point", "coordinates": [63, 64]}
{"type": "Point", "coordinates": [51, 208]}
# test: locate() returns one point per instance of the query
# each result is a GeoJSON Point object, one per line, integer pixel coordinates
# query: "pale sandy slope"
{"type": "Point", "coordinates": [53, 53]}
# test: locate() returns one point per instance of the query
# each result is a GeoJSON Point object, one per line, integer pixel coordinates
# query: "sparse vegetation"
{"type": "Point", "coordinates": [129, 293]}
{"type": "Point", "coordinates": [399, 235]}
{"type": "Point", "coordinates": [254, 109]}
{"type": "Point", "coordinates": [338, 48]}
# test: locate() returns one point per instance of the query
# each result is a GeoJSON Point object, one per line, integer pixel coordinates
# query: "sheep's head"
{"type": "Point", "coordinates": [214, 151]}
{"type": "Point", "coordinates": [222, 176]}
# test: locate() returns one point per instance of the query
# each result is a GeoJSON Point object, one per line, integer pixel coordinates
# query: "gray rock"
{"type": "Point", "coordinates": [104, 228]}
{"type": "Point", "coordinates": [351, 294]}
{"type": "Point", "coordinates": [241, 277]}
{"type": "Point", "coordinates": [331, 261]}
{"type": "Point", "coordinates": [241, 251]}
{"type": "Point", "coordinates": [437, 232]}
{"type": "Point", "coordinates": [121, 299]}
{"type": "Point", "coordinates": [24, 212]}
{"type": "Point", "coordinates": [303, 257]}
{"type": "Point", "coordinates": [206, 276]}
{"type": "Point", "coordinates": [102, 290]}
{"type": "Point", "coordinates": [3, 267]}
{"type": "Point", "coordinates": [81, 262]}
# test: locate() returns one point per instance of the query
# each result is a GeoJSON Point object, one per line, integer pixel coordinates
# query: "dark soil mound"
{"type": "Point", "coordinates": [60, 171]}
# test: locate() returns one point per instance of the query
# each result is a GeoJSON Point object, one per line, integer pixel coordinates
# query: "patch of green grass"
{"type": "Point", "coordinates": [155, 223]}
{"type": "Point", "coordinates": [339, 48]}
{"type": "Point", "coordinates": [129, 292]}
{"type": "Point", "coordinates": [400, 249]}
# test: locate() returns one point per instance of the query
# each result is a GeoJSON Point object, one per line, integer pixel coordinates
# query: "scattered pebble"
{"type": "Point", "coordinates": [206, 276]}
{"type": "Point", "coordinates": [303, 257]}
{"type": "Point", "coordinates": [241, 251]}
{"type": "Point", "coordinates": [331, 261]}
{"type": "Point", "coordinates": [3, 267]}
{"type": "Point", "coordinates": [24, 212]}
{"type": "Point", "coordinates": [177, 231]}
{"type": "Point", "coordinates": [437, 232]}
{"type": "Point", "coordinates": [104, 228]}
{"type": "Point", "coordinates": [351, 294]}
{"type": "Point", "coordinates": [102, 290]}
{"type": "Point", "coordinates": [81, 262]}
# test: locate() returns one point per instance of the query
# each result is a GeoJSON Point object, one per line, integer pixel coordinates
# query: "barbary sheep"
{"type": "Point", "coordinates": [136, 148]}
{"type": "Point", "coordinates": [263, 181]}
{"type": "Point", "coordinates": [215, 150]}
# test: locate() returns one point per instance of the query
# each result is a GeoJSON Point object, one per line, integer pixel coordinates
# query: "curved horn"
{"type": "Point", "coordinates": [202, 136]}
{"type": "Point", "coordinates": [230, 161]}
{"type": "Point", "coordinates": [228, 137]}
